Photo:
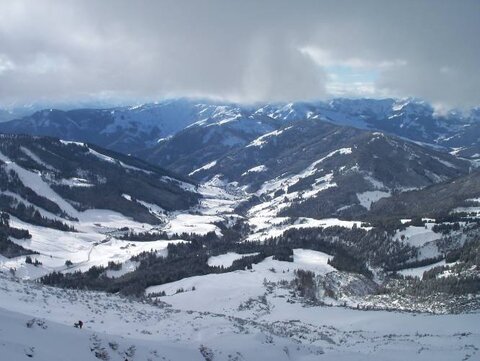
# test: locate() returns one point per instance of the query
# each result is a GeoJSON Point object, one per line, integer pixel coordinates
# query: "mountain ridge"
{"type": "Point", "coordinates": [133, 129]}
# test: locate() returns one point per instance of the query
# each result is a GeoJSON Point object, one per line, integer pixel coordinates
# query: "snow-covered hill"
{"type": "Point", "coordinates": [89, 177]}
{"type": "Point", "coordinates": [316, 169]}
{"type": "Point", "coordinates": [243, 316]}
{"type": "Point", "coordinates": [201, 143]}
{"type": "Point", "coordinates": [73, 200]}
{"type": "Point", "coordinates": [79, 202]}
{"type": "Point", "coordinates": [457, 195]}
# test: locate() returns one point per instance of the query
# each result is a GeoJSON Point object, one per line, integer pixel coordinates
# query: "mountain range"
{"type": "Point", "coordinates": [307, 158]}
{"type": "Point", "coordinates": [114, 184]}
{"type": "Point", "coordinates": [198, 212]}
{"type": "Point", "coordinates": [149, 129]}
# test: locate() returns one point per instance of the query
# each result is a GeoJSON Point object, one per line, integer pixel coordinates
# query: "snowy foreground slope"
{"type": "Point", "coordinates": [233, 316]}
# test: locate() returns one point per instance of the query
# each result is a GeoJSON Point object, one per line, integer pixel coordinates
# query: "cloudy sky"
{"type": "Point", "coordinates": [248, 50]}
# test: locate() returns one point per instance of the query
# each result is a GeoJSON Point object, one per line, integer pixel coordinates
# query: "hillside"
{"type": "Point", "coordinates": [87, 177]}
{"type": "Point", "coordinates": [64, 201]}
{"type": "Point", "coordinates": [460, 195]}
{"type": "Point", "coordinates": [317, 169]}
{"type": "Point", "coordinates": [209, 323]}
{"type": "Point", "coordinates": [207, 140]}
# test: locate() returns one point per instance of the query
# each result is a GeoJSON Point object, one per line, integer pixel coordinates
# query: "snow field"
{"type": "Point", "coordinates": [215, 292]}
{"type": "Point", "coordinates": [418, 271]}
{"type": "Point", "coordinates": [227, 259]}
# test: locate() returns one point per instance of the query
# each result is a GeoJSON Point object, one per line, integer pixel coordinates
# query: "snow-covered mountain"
{"type": "Point", "coordinates": [126, 129]}
{"type": "Point", "coordinates": [456, 195]}
{"type": "Point", "coordinates": [91, 198]}
{"type": "Point", "coordinates": [7, 113]}
{"type": "Point", "coordinates": [87, 177]}
{"type": "Point", "coordinates": [288, 226]}
{"type": "Point", "coordinates": [409, 118]}
{"type": "Point", "coordinates": [317, 169]}
{"type": "Point", "coordinates": [203, 142]}
{"type": "Point", "coordinates": [65, 200]}
{"type": "Point", "coordinates": [146, 129]}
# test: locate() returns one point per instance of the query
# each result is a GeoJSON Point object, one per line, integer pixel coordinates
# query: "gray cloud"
{"type": "Point", "coordinates": [240, 50]}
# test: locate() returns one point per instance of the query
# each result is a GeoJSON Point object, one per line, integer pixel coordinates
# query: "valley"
{"type": "Point", "coordinates": [305, 237]}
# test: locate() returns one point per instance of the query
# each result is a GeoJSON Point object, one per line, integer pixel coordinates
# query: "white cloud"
{"type": "Point", "coordinates": [326, 58]}
{"type": "Point", "coordinates": [5, 64]}
{"type": "Point", "coordinates": [355, 89]}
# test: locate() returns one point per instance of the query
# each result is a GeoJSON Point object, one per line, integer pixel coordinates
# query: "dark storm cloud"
{"type": "Point", "coordinates": [240, 50]}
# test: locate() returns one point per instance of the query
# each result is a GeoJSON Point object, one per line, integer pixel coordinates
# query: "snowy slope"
{"type": "Point", "coordinates": [81, 220]}
{"type": "Point", "coordinates": [266, 327]}
{"type": "Point", "coordinates": [297, 167]}
{"type": "Point", "coordinates": [95, 235]}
